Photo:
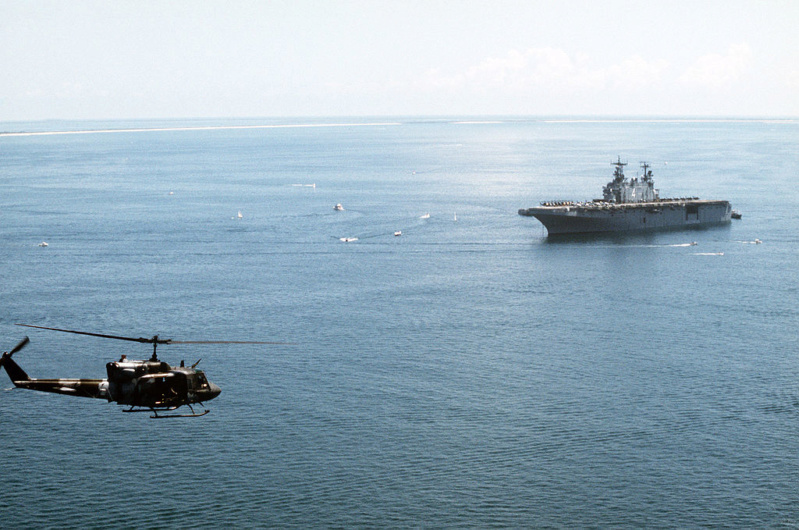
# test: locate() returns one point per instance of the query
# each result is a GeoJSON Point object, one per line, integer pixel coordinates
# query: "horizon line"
{"type": "Point", "coordinates": [453, 119]}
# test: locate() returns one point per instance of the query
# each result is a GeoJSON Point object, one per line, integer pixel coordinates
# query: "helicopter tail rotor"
{"type": "Point", "coordinates": [12, 368]}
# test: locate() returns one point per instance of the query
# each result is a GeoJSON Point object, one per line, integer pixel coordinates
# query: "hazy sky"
{"type": "Point", "coordinates": [228, 58]}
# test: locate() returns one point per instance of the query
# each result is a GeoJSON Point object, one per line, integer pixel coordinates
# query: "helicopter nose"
{"type": "Point", "coordinates": [213, 391]}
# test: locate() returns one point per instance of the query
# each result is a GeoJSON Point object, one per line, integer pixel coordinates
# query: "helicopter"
{"type": "Point", "coordinates": [151, 385]}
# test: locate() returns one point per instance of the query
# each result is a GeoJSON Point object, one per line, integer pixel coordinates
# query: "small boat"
{"type": "Point", "coordinates": [398, 233]}
{"type": "Point", "coordinates": [43, 244]}
{"type": "Point", "coordinates": [338, 207]}
{"type": "Point", "coordinates": [348, 239]}
{"type": "Point", "coordinates": [735, 214]}
{"type": "Point", "coordinates": [757, 242]}
{"type": "Point", "coordinates": [425, 216]}
{"type": "Point", "coordinates": [239, 215]}
{"type": "Point", "coordinates": [455, 217]}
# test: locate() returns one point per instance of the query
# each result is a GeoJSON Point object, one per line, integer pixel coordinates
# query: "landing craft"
{"type": "Point", "coordinates": [151, 385]}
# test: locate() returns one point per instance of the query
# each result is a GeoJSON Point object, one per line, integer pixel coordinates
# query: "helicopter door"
{"type": "Point", "coordinates": [177, 389]}
{"type": "Point", "coordinates": [162, 390]}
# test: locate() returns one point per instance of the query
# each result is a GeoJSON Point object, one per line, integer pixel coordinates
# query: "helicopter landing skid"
{"type": "Point", "coordinates": [168, 409]}
{"type": "Point", "coordinates": [192, 415]}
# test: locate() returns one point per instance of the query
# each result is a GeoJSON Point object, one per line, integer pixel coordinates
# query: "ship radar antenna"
{"type": "Point", "coordinates": [618, 173]}
{"type": "Point", "coordinates": [647, 174]}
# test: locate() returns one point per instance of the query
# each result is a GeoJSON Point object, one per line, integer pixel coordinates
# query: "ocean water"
{"type": "Point", "coordinates": [470, 373]}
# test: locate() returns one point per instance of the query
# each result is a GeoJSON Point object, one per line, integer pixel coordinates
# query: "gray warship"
{"type": "Point", "coordinates": [629, 205]}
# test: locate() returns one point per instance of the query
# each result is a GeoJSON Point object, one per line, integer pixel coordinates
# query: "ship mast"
{"type": "Point", "coordinates": [647, 174]}
{"type": "Point", "coordinates": [618, 173]}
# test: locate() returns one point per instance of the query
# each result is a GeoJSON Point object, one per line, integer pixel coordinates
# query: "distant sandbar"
{"type": "Point", "coordinates": [197, 128]}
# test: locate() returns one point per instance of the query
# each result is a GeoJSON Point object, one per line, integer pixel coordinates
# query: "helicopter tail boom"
{"type": "Point", "coordinates": [91, 388]}
{"type": "Point", "coordinates": [94, 388]}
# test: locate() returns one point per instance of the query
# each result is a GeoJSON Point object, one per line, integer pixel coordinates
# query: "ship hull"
{"type": "Point", "coordinates": [603, 217]}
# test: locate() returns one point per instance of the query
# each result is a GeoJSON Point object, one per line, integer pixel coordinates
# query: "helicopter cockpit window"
{"type": "Point", "coordinates": [202, 382]}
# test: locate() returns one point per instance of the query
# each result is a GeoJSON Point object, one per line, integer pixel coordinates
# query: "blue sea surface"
{"type": "Point", "coordinates": [469, 373]}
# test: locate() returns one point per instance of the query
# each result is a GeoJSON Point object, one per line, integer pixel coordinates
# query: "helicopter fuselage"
{"type": "Point", "coordinates": [157, 384]}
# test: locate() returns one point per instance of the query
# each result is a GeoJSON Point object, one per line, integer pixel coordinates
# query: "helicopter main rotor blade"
{"type": "Point", "coordinates": [155, 339]}
{"type": "Point", "coordinates": [132, 339]}
{"type": "Point", "coordinates": [228, 342]}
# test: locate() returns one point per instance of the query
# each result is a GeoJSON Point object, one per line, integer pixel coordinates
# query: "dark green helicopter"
{"type": "Point", "coordinates": [151, 385]}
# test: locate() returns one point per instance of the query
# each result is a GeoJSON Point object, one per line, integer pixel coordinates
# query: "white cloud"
{"type": "Point", "coordinates": [792, 78]}
{"type": "Point", "coordinates": [636, 73]}
{"type": "Point", "coordinates": [546, 69]}
{"type": "Point", "coordinates": [522, 70]}
{"type": "Point", "coordinates": [714, 70]}
{"type": "Point", "coordinates": [552, 80]}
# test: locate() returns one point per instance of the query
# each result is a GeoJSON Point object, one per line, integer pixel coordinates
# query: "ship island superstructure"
{"type": "Point", "coordinates": [629, 205]}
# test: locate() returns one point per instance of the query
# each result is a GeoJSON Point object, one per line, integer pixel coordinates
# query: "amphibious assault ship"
{"type": "Point", "coordinates": [629, 205]}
